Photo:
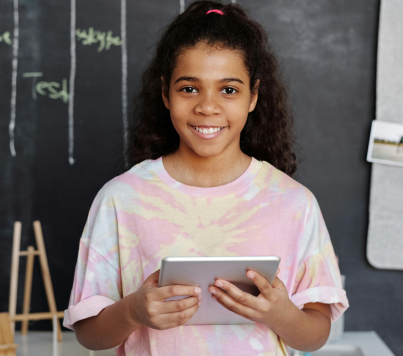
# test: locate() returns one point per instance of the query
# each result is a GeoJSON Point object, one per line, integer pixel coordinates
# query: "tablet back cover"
{"type": "Point", "coordinates": [203, 271]}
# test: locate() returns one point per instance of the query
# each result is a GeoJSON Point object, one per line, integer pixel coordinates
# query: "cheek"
{"type": "Point", "coordinates": [179, 113]}
{"type": "Point", "coordinates": [237, 119]}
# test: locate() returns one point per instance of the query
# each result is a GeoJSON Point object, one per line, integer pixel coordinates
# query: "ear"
{"type": "Point", "coordinates": [254, 96]}
{"type": "Point", "coordinates": [164, 92]}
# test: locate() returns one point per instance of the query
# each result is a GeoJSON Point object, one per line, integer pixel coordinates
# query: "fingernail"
{"type": "Point", "coordinates": [200, 297]}
{"type": "Point", "coordinates": [197, 290]}
{"type": "Point", "coordinates": [199, 304]}
{"type": "Point", "coordinates": [213, 291]}
{"type": "Point", "coordinates": [219, 284]}
{"type": "Point", "coordinates": [251, 275]}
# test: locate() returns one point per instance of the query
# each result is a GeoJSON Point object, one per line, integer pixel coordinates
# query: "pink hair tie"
{"type": "Point", "coordinates": [216, 11]}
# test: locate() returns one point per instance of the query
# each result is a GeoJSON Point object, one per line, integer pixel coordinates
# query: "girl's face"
{"type": "Point", "coordinates": [209, 100]}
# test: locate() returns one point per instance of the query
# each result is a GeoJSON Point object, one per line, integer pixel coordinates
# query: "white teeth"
{"type": "Point", "coordinates": [209, 130]}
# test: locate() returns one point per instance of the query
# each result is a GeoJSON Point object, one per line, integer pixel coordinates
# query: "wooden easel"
{"type": "Point", "coordinates": [30, 253]}
{"type": "Point", "coordinates": [7, 345]}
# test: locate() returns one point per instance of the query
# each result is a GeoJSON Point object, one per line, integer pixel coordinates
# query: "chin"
{"type": "Point", "coordinates": [207, 153]}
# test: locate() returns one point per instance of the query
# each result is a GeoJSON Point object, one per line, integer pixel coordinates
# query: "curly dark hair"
{"type": "Point", "coordinates": [267, 134]}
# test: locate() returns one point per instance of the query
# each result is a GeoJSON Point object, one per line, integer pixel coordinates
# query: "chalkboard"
{"type": "Point", "coordinates": [69, 71]}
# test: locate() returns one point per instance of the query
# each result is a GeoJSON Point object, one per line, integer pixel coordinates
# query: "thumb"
{"type": "Point", "coordinates": [278, 284]}
{"type": "Point", "coordinates": [152, 279]}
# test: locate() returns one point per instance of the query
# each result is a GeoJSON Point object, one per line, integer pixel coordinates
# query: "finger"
{"type": "Point", "coordinates": [177, 318]}
{"type": "Point", "coordinates": [229, 303]}
{"type": "Point", "coordinates": [232, 310]}
{"type": "Point", "coordinates": [278, 284]}
{"type": "Point", "coordinates": [237, 294]}
{"type": "Point", "coordinates": [176, 290]}
{"type": "Point", "coordinates": [172, 306]}
{"type": "Point", "coordinates": [278, 271]}
{"type": "Point", "coordinates": [261, 283]}
{"type": "Point", "coordinates": [152, 279]}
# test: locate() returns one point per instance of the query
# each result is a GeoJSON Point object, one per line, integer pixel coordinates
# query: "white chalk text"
{"type": "Point", "coordinates": [105, 39]}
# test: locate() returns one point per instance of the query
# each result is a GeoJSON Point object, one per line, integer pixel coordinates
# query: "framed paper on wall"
{"type": "Point", "coordinates": [386, 143]}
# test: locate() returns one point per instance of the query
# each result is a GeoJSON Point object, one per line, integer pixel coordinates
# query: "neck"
{"type": "Point", "coordinates": [187, 167]}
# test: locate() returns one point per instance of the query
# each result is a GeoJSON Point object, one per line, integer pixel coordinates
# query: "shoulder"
{"type": "Point", "coordinates": [130, 182]}
{"type": "Point", "coordinates": [299, 203]}
{"type": "Point", "coordinates": [285, 188]}
{"type": "Point", "coordinates": [113, 200]}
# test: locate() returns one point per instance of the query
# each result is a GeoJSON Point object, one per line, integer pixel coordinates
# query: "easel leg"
{"type": "Point", "coordinates": [15, 259]}
{"type": "Point", "coordinates": [45, 272]}
{"type": "Point", "coordinates": [55, 323]}
{"type": "Point", "coordinates": [7, 345]}
{"type": "Point", "coordinates": [28, 287]}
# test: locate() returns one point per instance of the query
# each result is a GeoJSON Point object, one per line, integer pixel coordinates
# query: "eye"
{"type": "Point", "coordinates": [231, 90]}
{"type": "Point", "coordinates": [186, 91]}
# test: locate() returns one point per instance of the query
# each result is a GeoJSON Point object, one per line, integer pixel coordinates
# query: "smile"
{"type": "Point", "coordinates": [207, 132]}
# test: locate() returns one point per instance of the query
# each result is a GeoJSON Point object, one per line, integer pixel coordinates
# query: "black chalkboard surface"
{"type": "Point", "coordinates": [68, 72]}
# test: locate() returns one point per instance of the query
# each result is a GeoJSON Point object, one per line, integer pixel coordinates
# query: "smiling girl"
{"type": "Point", "coordinates": [208, 173]}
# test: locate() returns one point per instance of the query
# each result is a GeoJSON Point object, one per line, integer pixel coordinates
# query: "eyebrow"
{"type": "Point", "coordinates": [223, 80]}
{"type": "Point", "coordinates": [226, 80]}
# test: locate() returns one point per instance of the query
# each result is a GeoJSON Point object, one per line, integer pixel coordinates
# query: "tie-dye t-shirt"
{"type": "Point", "coordinates": [144, 215]}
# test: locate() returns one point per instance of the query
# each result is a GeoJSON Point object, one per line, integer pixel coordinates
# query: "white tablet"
{"type": "Point", "coordinates": [203, 271]}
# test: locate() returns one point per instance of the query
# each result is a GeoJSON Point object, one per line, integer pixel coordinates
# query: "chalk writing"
{"type": "Point", "coordinates": [123, 33]}
{"type": "Point", "coordinates": [105, 39]}
{"type": "Point", "coordinates": [53, 93]}
{"type": "Point", "coordinates": [49, 89]}
{"type": "Point", "coordinates": [72, 79]}
{"type": "Point", "coordinates": [33, 75]}
{"type": "Point", "coordinates": [5, 37]}
{"type": "Point", "coordinates": [14, 64]}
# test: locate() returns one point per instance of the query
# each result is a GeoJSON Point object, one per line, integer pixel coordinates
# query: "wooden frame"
{"type": "Point", "coordinates": [31, 253]}
{"type": "Point", "coordinates": [7, 345]}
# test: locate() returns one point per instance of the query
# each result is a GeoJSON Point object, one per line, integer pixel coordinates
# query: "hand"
{"type": "Point", "coordinates": [268, 308]}
{"type": "Point", "coordinates": [148, 306]}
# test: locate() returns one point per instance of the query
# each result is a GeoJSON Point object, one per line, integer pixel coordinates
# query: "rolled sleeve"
{"type": "Point", "coordinates": [84, 309]}
{"type": "Point", "coordinates": [318, 281]}
{"type": "Point", "coordinates": [334, 296]}
{"type": "Point", "coordinates": [97, 278]}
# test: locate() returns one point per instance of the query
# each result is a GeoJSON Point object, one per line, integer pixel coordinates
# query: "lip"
{"type": "Point", "coordinates": [207, 136]}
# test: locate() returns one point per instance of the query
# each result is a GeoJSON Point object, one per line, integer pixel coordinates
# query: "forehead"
{"type": "Point", "coordinates": [205, 61]}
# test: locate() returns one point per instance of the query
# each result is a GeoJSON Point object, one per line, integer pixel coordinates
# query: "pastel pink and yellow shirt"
{"type": "Point", "coordinates": [144, 215]}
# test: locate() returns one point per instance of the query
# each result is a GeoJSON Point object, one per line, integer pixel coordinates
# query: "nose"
{"type": "Point", "coordinates": [207, 104]}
